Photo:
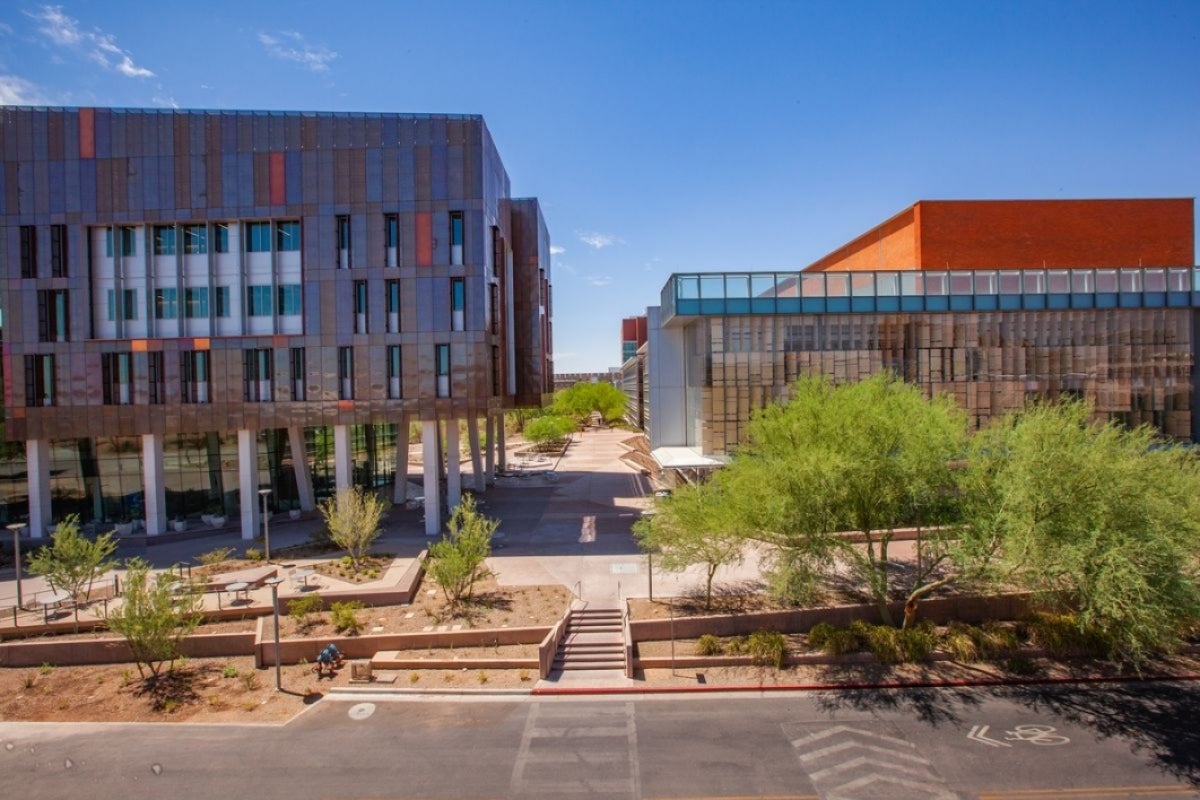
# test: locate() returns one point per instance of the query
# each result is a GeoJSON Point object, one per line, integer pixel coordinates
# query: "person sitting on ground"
{"type": "Point", "coordinates": [324, 663]}
{"type": "Point", "coordinates": [335, 655]}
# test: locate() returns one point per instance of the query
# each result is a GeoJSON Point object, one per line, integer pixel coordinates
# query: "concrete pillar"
{"type": "Point", "coordinates": [37, 467]}
{"type": "Point", "coordinates": [433, 477]}
{"type": "Point", "coordinates": [453, 474]}
{"type": "Point", "coordinates": [476, 457]}
{"type": "Point", "coordinates": [501, 452]}
{"type": "Point", "coordinates": [490, 451]}
{"type": "Point", "coordinates": [153, 488]}
{"type": "Point", "coordinates": [304, 485]}
{"type": "Point", "coordinates": [342, 468]}
{"type": "Point", "coordinates": [248, 483]}
{"type": "Point", "coordinates": [400, 489]}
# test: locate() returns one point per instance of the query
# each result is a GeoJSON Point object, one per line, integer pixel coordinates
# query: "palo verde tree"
{"type": "Point", "coordinates": [864, 458]}
{"type": "Point", "coordinates": [456, 562]}
{"type": "Point", "coordinates": [352, 517]}
{"type": "Point", "coordinates": [154, 617]}
{"type": "Point", "coordinates": [549, 428]}
{"type": "Point", "coordinates": [72, 561]}
{"type": "Point", "coordinates": [582, 399]}
{"type": "Point", "coordinates": [1093, 519]}
{"type": "Point", "coordinates": [693, 526]}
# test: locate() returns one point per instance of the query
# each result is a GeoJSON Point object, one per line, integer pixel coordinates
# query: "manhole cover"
{"type": "Point", "coordinates": [624, 569]}
{"type": "Point", "coordinates": [360, 711]}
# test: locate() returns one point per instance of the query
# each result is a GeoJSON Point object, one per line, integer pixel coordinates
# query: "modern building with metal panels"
{"type": "Point", "coordinates": [198, 305]}
{"type": "Point", "coordinates": [722, 345]}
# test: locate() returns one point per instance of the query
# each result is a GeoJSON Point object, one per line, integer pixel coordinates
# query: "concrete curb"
{"type": "Point", "coordinates": [347, 692]}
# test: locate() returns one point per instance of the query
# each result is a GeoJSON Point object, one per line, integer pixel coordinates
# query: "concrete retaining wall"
{"type": "Point", "coordinates": [548, 648]}
{"type": "Point", "coordinates": [116, 651]}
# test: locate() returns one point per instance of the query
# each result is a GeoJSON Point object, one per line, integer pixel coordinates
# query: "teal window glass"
{"type": "Point", "coordinates": [166, 303]}
{"type": "Point", "coordinates": [164, 240]}
{"type": "Point", "coordinates": [195, 303]}
{"type": "Point", "coordinates": [222, 301]}
{"type": "Point", "coordinates": [258, 237]}
{"type": "Point", "coordinates": [457, 294]}
{"type": "Point", "coordinates": [392, 226]}
{"type": "Point", "coordinates": [287, 236]}
{"type": "Point", "coordinates": [258, 301]}
{"type": "Point", "coordinates": [289, 300]}
{"type": "Point", "coordinates": [195, 239]}
{"type": "Point", "coordinates": [221, 237]}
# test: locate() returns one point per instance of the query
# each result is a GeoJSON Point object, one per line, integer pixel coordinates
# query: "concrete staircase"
{"type": "Point", "coordinates": [594, 641]}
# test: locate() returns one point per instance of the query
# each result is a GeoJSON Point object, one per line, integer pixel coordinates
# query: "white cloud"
{"type": "Point", "coordinates": [164, 102]}
{"type": "Point", "coordinates": [291, 46]}
{"type": "Point", "coordinates": [599, 280]}
{"type": "Point", "coordinates": [555, 250]}
{"type": "Point", "coordinates": [599, 240]}
{"type": "Point", "coordinates": [6, 29]}
{"type": "Point", "coordinates": [94, 45]}
{"type": "Point", "coordinates": [16, 91]}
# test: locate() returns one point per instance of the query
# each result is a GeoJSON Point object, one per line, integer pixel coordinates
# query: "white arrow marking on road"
{"type": "Point", "coordinates": [837, 748]}
{"type": "Point", "coordinates": [854, 763]}
{"type": "Point", "coordinates": [979, 734]}
{"type": "Point", "coordinates": [846, 729]}
{"type": "Point", "coordinates": [925, 789]}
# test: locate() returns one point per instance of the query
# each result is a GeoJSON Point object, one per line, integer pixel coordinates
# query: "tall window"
{"type": "Point", "coordinates": [395, 370]}
{"type": "Point", "coordinates": [58, 251]}
{"type": "Point", "coordinates": [39, 380]}
{"type": "Point", "coordinates": [126, 235]}
{"type": "Point", "coordinates": [289, 300]}
{"type": "Point", "coordinates": [221, 237]}
{"type": "Point", "coordinates": [299, 390]}
{"type": "Point", "coordinates": [53, 316]}
{"type": "Point", "coordinates": [222, 298]}
{"type": "Point", "coordinates": [456, 237]}
{"type": "Point", "coordinates": [345, 373]}
{"type": "Point", "coordinates": [257, 376]}
{"type": "Point", "coordinates": [195, 240]}
{"type": "Point", "coordinates": [391, 227]}
{"type": "Point", "coordinates": [193, 376]}
{"type": "Point", "coordinates": [457, 303]}
{"type": "Point", "coordinates": [442, 364]}
{"type": "Point", "coordinates": [494, 305]}
{"type": "Point", "coordinates": [495, 371]}
{"type": "Point", "coordinates": [166, 303]}
{"type": "Point", "coordinates": [393, 306]}
{"type": "Point", "coordinates": [258, 237]}
{"type": "Point", "coordinates": [258, 301]}
{"type": "Point", "coordinates": [117, 374]}
{"type": "Point", "coordinates": [360, 306]}
{"type": "Point", "coordinates": [122, 305]}
{"type": "Point", "coordinates": [157, 376]}
{"type": "Point", "coordinates": [164, 240]}
{"type": "Point", "coordinates": [343, 241]}
{"type": "Point", "coordinates": [497, 252]}
{"type": "Point", "coordinates": [195, 302]}
{"type": "Point", "coordinates": [287, 236]}
{"type": "Point", "coordinates": [28, 251]}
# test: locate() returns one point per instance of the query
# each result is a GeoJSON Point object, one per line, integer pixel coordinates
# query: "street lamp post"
{"type": "Point", "coordinates": [16, 532]}
{"type": "Point", "coordinates": [274, 584]}
{"type": "Point", "coordinates": [266, 524]}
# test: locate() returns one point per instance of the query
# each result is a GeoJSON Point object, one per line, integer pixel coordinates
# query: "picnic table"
{"type": "Point", "coordinates": [239, 588]}
{"type": "Point", "coordinates": [303, 575]}
{"type": "Point", "coordinates": [54, 601]}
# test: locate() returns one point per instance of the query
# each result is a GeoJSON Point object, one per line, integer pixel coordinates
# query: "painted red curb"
{"type": "Point", "coordinates": [825, 687]}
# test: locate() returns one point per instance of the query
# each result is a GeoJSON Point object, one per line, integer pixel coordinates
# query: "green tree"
{"type": "Point", "coordinates": [582, 399]}
{"type": "Point", "coordinates": [693, 526]}
{"type": "Point", "coordinates": [352, 517]}
{"type": "Point", "coordinates": [1092, 518]}
{"type": "Point", "coordinates": [457, 561]}
{"type": "Point", "coordinates": [72, 560]}
{"type": "Point", "coordinates": [867, 458]}
{"type": "Point", "coordinates": [154, 617]}
{"type": "Point", "coordinates": [550, 428]}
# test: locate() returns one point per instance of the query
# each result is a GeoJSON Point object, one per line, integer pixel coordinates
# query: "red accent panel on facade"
{"type": "Point", "coordinates": [424, 239]}
{"type": "Point", "coordinates": [278, 193]}
{"type": "Point", "coordinates": [87, 133]}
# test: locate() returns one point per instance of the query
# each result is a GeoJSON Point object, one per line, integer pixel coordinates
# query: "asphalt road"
{"type": "Point", "coordinates": [1028, 743]}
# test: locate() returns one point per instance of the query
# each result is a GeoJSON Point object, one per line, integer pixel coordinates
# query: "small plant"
{"type": "Point", "coordinates": [214, 557]}
{"type": "Point", "coordinates": [482, 677]}
{"type": "Point", "coordinates": [45, 669]}
{"type": "Point", "coordinates": [833, 640]}
{"type": "Point", "coordinates": [230, 671]}
{"type": "Point", "coordinates": [818, 635]}
{"type": "Point", "coordinates": [884, 642]}
{"type": "Point", "coordinates": [29, 681]}
{"type": "Point", "coordinates": [1066, 635]}
{"type": "Point", "coordinates": [305, 609]}
{"type": "Point", "coordinates": [249, 705]}
{"type": "Point", "coordinates": [216, 702]}
{"type": "Point", "coordinates": [170, 705]}
{"type": "Point", "coordinates": [736, 646]}
{"type": "Point", "coordinates": [918, 641]}
{"type": "Point", "coordinates": [960, 642]}
{"type": "Point", "coordinates": [345, 617]}
{"type": "Point", "coordinates": [523, 675]}
{"type": "Point", "coordinates": [126, 677]}
{"type": "Point", "coordinates": [254, 554]}
{"type": "Point", "coordinates": [767, 648]}
{"type": "Point", "coordinates": [708, 645]}
{"type": "Point", "coordinates": [995, 639]}
{"type": "Point", "coordinates": [448, 677]}
{"type": "Point", "coordinates": [249, 680]}
{"type": "Point", "coordinates": [100, 678]}
{"type": "Point", "coordinates": [413, 677]}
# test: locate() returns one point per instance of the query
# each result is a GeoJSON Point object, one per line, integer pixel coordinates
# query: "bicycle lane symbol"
{"type": "Point", "coordinates": [1041, 735]}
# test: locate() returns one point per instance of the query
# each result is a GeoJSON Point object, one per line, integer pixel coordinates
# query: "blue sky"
{"type": "Point", "coordinates": [665, 136]}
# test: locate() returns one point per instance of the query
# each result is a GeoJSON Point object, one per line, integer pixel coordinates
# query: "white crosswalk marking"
{"type": "Point", "coordinates": [559, 758]}
{"type": "Point", "coordinates": [846, 763]}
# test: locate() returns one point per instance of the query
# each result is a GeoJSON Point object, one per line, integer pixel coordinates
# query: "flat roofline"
{"type": "Point", "coordinates": [250, 111]}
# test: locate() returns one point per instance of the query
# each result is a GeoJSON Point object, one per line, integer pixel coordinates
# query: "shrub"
{"type": "Point", "coordinates": [884, 642]}
{"type": "Point", "coordinates": [413, 677]}
{"type": "Point", "coordinates": [249, 680]}
{"type": "Point", "coordinates": [345, 617]}
{"type": "Point", "coordinates": [456, 562]}
{"type": "Point", "coordinates": [767, 648]}
{"type": "Point", "coordinates": [960, 642]}
{"type": "Point", "coordinates": [352, 517]}
{"type": "Point", "coordinates": [819, 635]}
{"type": "Point", "coordinates": [254, 554]}
{"type": "Point", "coordinates": [305, 609]}
{"type": "Point", "coordinates": [482, 677]}
{"type": "Point", "coordinates": [153, 618]}
{"type": "Point", "coordinates": [45, 668]}
{"type": "Point", "coordinates": [214, 557]}
{"type": "Point", "coordinates": [523, 675]}
{"type": "Point", "coordinates": [736, 646]}
{"type": "Point", "coordinates": [230, 671]}
{"type": "Point", "coordinates": [708, 645]}
{"type": "Point", "coordinates": [1066, 635]}
{"type": "Point", "coordinates": [917, 642]}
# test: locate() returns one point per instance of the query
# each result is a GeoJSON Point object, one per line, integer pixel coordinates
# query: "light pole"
{"type": "Point", "coordinates": [274, 584]}
{"type": "Point", "coordinates": [266, 524]}
{"type": "Point", "coordinates": [16, 532]}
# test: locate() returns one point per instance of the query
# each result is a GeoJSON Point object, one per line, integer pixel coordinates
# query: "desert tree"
{"type": "Point", "coordinates": [458, 561]}
{"type": "Point", "coordinates": [352, 517]}
{"type": "Point", "coordinates": [72, 560]}
{"type": "Point", "coordinates": [154, 617]}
